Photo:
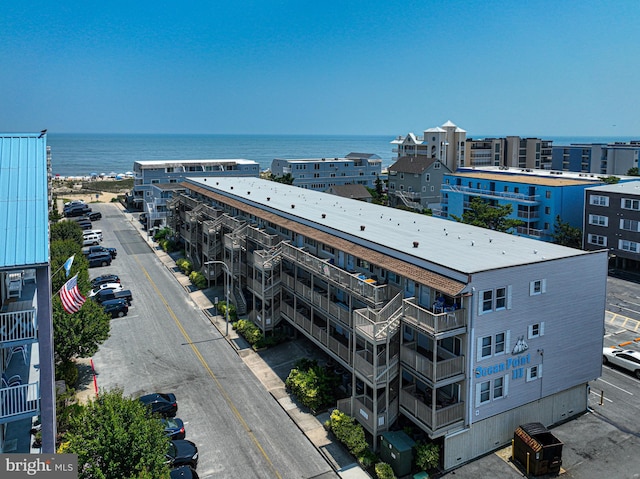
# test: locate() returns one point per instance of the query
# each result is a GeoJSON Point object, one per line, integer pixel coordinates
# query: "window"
{"type": "Point", "coordinates": [493, 345]}
{"type": "Point", "coordinates": [597, 240]}
{"type": "Point", "coordinates": [547, 210]}
{"type": "Point", "coordinates": [538, 286]}
{"type": "Point", "coordinates": [631, 246]}
{"type": "Point", "coordinates": [427, 177]}
{"type": "Point", "coordinates": [501, 298]}
{"type": "Point", "coordinates": [598, 200]}
{"type": "Point", "coordinates": [598, 220]}
{"type": "Point", "coordinates": [630, 225]}
{"type": "Point", "coordinates": [486, 347]}
{"type": "Point", "coordinates": [487, 301]}
{"type": "Point", "coordinates": [500, 342]}
{"type": "Point", "coordinates": [536, 330]}
{"type": "Point", "coordinates": [548, 194]}
{"type": "Point", "coordinates": [494, 300]}
{"type": "Point", "coordinates": [498, 388]}
{"type": "Point", "coordinates": [436, 165]}
{"type": "Point", "coordinates": [534, 372]}
{"type": "Point", "coordinates": [487, 391]}
{"type": "Point", "coordinates": [629, 204]}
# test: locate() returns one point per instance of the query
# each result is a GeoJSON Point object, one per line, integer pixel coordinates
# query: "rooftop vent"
{"type": "Point", "coordinates": [293, 206]}
{"type": "Point", "coordinates": [248, 192]}
{"type": "Point", "coordinates": [361, 227]}
{"type": "Point", "coordinates": [324, 215]}
{"type": "Point", "coordinates": [268, 198]}
{"type": "Point", "coordinates": [232, 187]}
{"type": "Point", "coordinates": [416, 244]}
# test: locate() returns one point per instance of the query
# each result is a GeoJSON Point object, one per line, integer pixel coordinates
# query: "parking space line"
{"type": "Point", "coordinates": [224, 393]}
{"type": "Point", "coordinates": [603, 397]}
{"type": "Point", "coordinates": [617, 387]}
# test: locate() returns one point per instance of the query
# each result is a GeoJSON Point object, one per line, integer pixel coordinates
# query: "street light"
{"type": "Point", "coordinates": [227, 284]}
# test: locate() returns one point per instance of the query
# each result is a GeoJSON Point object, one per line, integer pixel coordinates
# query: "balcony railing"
{"type": "Point", "coordinates": [432, 322]}
{"type": "Point", "coordinates": [519, 197]}
{"type": "Point", "coordinates": [262, 237]}
{"type": "Point", "coordinates": [18, 326]}
{"type": "Point", "coordinates": [441, 369]}
{"type": "Point", "coordinates": [434, 416]}
{"type": "Point", "coordinates": [380, 324]}
{"type": "Point", "coordinates": [18, 402]}
{"type": "Point", "coordinates": [362, 411]}
{"type": "Point", "coordinates": [382, 373]}
{"type": "Point", "coordinates": [523, 230]}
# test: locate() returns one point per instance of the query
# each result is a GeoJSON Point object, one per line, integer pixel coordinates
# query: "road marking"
{"type": "Point", "coordinates": [617, 387]}
{"type": "Point", "coordinates": [628, 309]}
{"type": "Point", "coordinates": [599, 395]}
{"type": "Point", "coordinates": [224, 393]}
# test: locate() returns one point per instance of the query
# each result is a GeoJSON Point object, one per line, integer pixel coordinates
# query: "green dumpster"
{"type": "Point", "coordinates": [396, 449]}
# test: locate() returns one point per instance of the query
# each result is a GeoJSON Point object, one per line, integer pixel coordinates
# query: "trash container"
{"type": "Point", "coordinates": [543, 448]}
{"type": "Point", "coordinates": [396, 449]}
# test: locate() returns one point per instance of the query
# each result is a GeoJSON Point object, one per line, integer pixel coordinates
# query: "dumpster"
{"type": "Point", "coordinates": [396, 449]}
{"type": "Point", "coordinates": [543, 448]}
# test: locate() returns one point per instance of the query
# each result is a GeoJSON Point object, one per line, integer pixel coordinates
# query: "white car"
{"type": "Point", "coordinates": [625, 358]}
{"type": "Point", "coordinates": [111, 286]}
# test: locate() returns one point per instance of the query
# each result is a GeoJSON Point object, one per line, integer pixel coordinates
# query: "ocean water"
{"type": "Point", "coordinates": [84, 154]}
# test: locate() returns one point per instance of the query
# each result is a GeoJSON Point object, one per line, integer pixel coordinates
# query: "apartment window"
{"type": "Point", "coordinates": [436, 165]}
{"type": "Point", "coordinates": [495, 300]}
{"type": "Point", "coordinates": [547, 210]}
{"type": "Point", "coordinates": [535, 330]}
{"type": "Point", "coordinates": [598, 200]}
{"type": "Point", "coordinates": [487, 391]}
{"type": "Point", "coordinates": [433, 188]}
{"type": "Point", "coordinates": [424, 189]}
{"type": "Point", "coordinates": [484, 392]}
{"type": "Point", "coordinates": [500, 343]}
{"type": "Point", "coordinates": [169, 169]}
{"type": "Point", "coordinates": [501, 298]}
{"type": "Point", "coordinates": [538, 286]}
{"type": "Point", "coordinates": [630, 246]}
{"type": "Point", "coordinates": [155, 182]}
{"type": "Point", "coordinates": [493, 345]}
{"type": "Point", "coordinates": [630, 225]}
{"type": "Point", "coordinates": [487, 301]}
{"type": "Point", "coordinates": [548, 194]}
{"type": "Point", "coordinates": [629, 204]}
{"type": "Point", "coordinates": [534, 372]}
{"type": "Point", "coordinates": [427, 177]}
{"type": "Point", "coordinates": [598, 220]}
{"type": "Point", "coordinates": [486, 347]}
{"type": "Point", "coordinates": [498, 388]}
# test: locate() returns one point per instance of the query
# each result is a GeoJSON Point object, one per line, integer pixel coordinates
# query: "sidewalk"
{"type": "Point", "coordinates": [335, 454]}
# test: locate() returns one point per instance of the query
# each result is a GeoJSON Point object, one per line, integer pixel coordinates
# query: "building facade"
{"type": "Point", "coordinates": [609, 159]}
{"type": "Point", "coordinates": [512, 151]}
{"type": "Point", "coordinates": [320, 174]}
{"type": "Point", "coordinates": [415, 182]}
{"type": "Point", "coordinates": [26, 333]}
{"type": "Point", "coordinates": [466, 333]}
{"type": "Point", "coordinates": [612, 222]}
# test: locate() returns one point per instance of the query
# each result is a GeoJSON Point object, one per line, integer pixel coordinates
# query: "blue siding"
{"type": "Point", "coordinates": [24, 204]}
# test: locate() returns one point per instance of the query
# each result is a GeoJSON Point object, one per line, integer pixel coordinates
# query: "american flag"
{"type": "Point", "coordinates": [71, 298]}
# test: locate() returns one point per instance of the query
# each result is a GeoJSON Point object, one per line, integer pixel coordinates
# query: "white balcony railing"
{"type": "Point", "coordinates": [19, 401]}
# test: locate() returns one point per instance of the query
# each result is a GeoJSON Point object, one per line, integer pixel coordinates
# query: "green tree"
{"type": "Point", "coordinates": [495, 217]}
{"type": "Point", "coordinates": [115, 438]}
{"type": "Point", "coordinates": [66, 230]}
{"type": "Point", "coordinates": [61, 251]}
{"type": "Point", "coordinates": [610, 180]}
{"type": "Point", "coordinates": [633, 171]}
{"type": "Point", "coordinates": [378, 184]}
{"type": "Point", "coordinates": [566, 235]}
{"type": "Point", "coordinates": [286, 179]}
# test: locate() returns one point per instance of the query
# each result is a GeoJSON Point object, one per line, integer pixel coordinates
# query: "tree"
{"type": "Point", "coordinates": [633, 171]}
{"type": "Point", "coordinates": [286, 179]}
{"type": "Point", "coordinates": [495, 217]}
{"type": "Point", "coordinates": [117, 437]}
{"type": "Point", "coordinates": [61, 251]}
{"type": "Point", "coordinates": [610, 180]}
{"type": "Point", "coordinates": [566, 235]}
{"type": "Point", "coordinates": [66, 230]}
{"type": "Point", "coordinates": [378, 184]}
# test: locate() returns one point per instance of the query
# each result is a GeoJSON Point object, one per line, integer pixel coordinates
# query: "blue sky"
{"type": "Point", "coordinates": [321, 67]}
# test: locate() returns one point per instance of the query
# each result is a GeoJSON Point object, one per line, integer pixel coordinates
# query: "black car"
{"type": "Point", "coordinates": [163, 404]}
{"type": "Point", "coordinates": [183, 472]}
{"type": "Point", "coordinates": [95, 215]}
{"type": "Point", "coordinates": [107, 294]}
{"type": "Point", "coordinates": [182, 453]}
{"type": "Point", "coordinates": [117, 308]}
{"type": "Point", "coordinates": [99, 259]}
{"type": "Point", "coordinates": [77, 210]}
{"type": "Point", "coordinates": [100, 249]}
{"type": "Point", "coordinates": [173, 427]}
{"type": "Point", "coordinates": [105, 278]}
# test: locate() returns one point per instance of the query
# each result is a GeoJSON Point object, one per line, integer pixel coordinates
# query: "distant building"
{"type": "Point", "coordinates": [537, 197]}
{"type": "Point", "coordinates": [321, 173]}
{"type": "Point", "coordinates": [356, 192]}
{"type": "Point", "coordinates": [609, 159]}
{"type": "Point", "coordinates": [26, 328]}
{"type": "Point", "coordinates": [445, 143]}
{"type": "Point", "coordinates": [512, 151]}
{"type": "Point", "coordinates": [415, 182]}
{"type": "Point", "coordinates": [612, 222]}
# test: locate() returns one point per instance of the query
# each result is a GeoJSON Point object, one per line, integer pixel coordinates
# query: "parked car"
{"type": "Point", "coordinates": [173, 427]}
{"type": "Point", "coordinates": [71, 203]}
{"type": "Point", "coordinates": [117, 308]}
{"type": "Point", "coordinates": [164, 404]}
{"type": "Point", "coordinates": [95, 216]}
{"type": "Point", "coordinates": [90, 240]}
{"type": "Point", "coordinates": [99, 259]}
{"type": "Point", "coordinates": [105, 278]}
{"type": "Point", "coordinates": [100, 249]}
{"type": "Point", "coordinates": [182, 453]}
{"type": "Point", "coordinates": [183, 472]}
{"type": "Point", "coordinates": [625, 358]}
{"type": "Point", "coordinates": [105, 286]}
{"type": "Point", "coordinates": [85, 226]}
{"type": "Point", "coordinates": [92, 231]}
{"type": "Point", "coordinates": [107, 294]}
{"type": "Point", "coordinates": [76, 210]}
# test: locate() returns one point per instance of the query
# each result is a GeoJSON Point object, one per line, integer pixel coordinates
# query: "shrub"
{"type": "Point", "coordinates": [198, 279]}
{"type": "Point", "coordinates": [348, 432]}
{"type": "Point", "coordinates": [222, 309]}
{"type": "Point", "coordinates": [162, 234]}
{"type": "Point", "coordinates": [427, 455]}
{"type": "Point", "coordinates": [67, 371]}
{"type": "Point", "coordinates": [185, 265]}
{"type": "Point", "coordinates": [384, 471]}
{"type": "Point", "coordinates": [311, 384]}
{"type": "Point", "coordinates": [248, 331]}
{"type": "Point", "coordinates": [167, 245]}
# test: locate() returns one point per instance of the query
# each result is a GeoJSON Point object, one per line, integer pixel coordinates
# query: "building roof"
{"type": "Point", "coordinates": [164, 163]}
{"type": "Point", "coordinates": [412, 164]}
{"type": "Point", "coordinates": [368, 156]}
{"type": "Point", "coordinates": [168, 186]}
{"type": "Point", "coordinates": [442, 246]}
{"type": "Point", "coordinates": [350, 191]}
{"type": "Point", "coordinates": [24, 200]}
{"type": "Point", "coordinates": [627, 188]}
{"type": "Point", "coordinates": [528, 176]}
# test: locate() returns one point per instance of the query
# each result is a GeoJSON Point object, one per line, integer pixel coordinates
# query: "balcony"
{"type": "Point", "coordinates": [361, 407]}
{"type": "Point", "coordinates": [536, 233]}
{"type": "Point", "coordinates": [502, 195]}
{"type": "Point", "coordinates": [435, 416]}
{"type": "Point", "coordinates": [431, 322]}
{"type": "Point", "coordinates": [18, 324]}
{"type": "Point", "coordinates": [261, 237]}
{"type": "Point", "coordinates": [420, 362]}
{"type": "Point", "coordinates": [377, 325]}
{"type": "Point", "coordinates": [383, 372]}
{"type": "Point", "coordinates": [19, 402]}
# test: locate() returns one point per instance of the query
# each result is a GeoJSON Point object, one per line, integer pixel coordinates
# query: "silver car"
{"type": "Point", "coordinates": [624, 358]}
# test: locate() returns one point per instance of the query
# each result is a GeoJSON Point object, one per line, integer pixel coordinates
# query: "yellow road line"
{"type": "Point", "coordinates": [224, 393]}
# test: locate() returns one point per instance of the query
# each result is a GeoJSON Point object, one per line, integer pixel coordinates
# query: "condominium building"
{"type": "Point", "coordinates": [465, 332]}
{"type": "Point", "coordinates": [611, 159]}
{"type": "Point", "coordinates": [149, 174]}
{"type": "Point", "coordinates": [612, 222]}
{"type": "Point", "coordinates": [322, 173]}
{"type": "Point", "coordinates": [415, 182]}
{"type": "Point", "coordinates": [445, 143]}
{"type": "Point", "coordinates": [512, 151]}
{"type": "Point", "coordinates": [26, 335]}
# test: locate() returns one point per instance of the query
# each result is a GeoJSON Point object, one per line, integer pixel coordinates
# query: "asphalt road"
{"type": "Point", "coordinates": [166, 344]}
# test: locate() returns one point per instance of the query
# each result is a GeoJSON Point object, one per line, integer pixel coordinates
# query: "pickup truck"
{"type": "Point", "coordinates": [100, 249]}
{"type": "Point", "coordinates": [106, 294]}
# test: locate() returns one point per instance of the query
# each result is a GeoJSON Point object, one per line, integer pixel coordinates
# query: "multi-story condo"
{"type": "Point", "coordinates": [612, 222]}
{"type": "Point", "coordinates": [415, 182]}
{"type": "Point", "coordinates": [148, 173]}
{"type": "Point", "coordinates": [512, 151]}
{"type": "Point", "coordinates": [322, 173]}
{"type": "Point", "coordinates": [445, 143]}
{"type": "Point", "coordinates": [612, 159]}
{"type": "Point", "coordinates": [463, 331]}
{"type": "Point", "coordinates": [537, 197]}
{"type": "Point", "coordinates": [26, 337]}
